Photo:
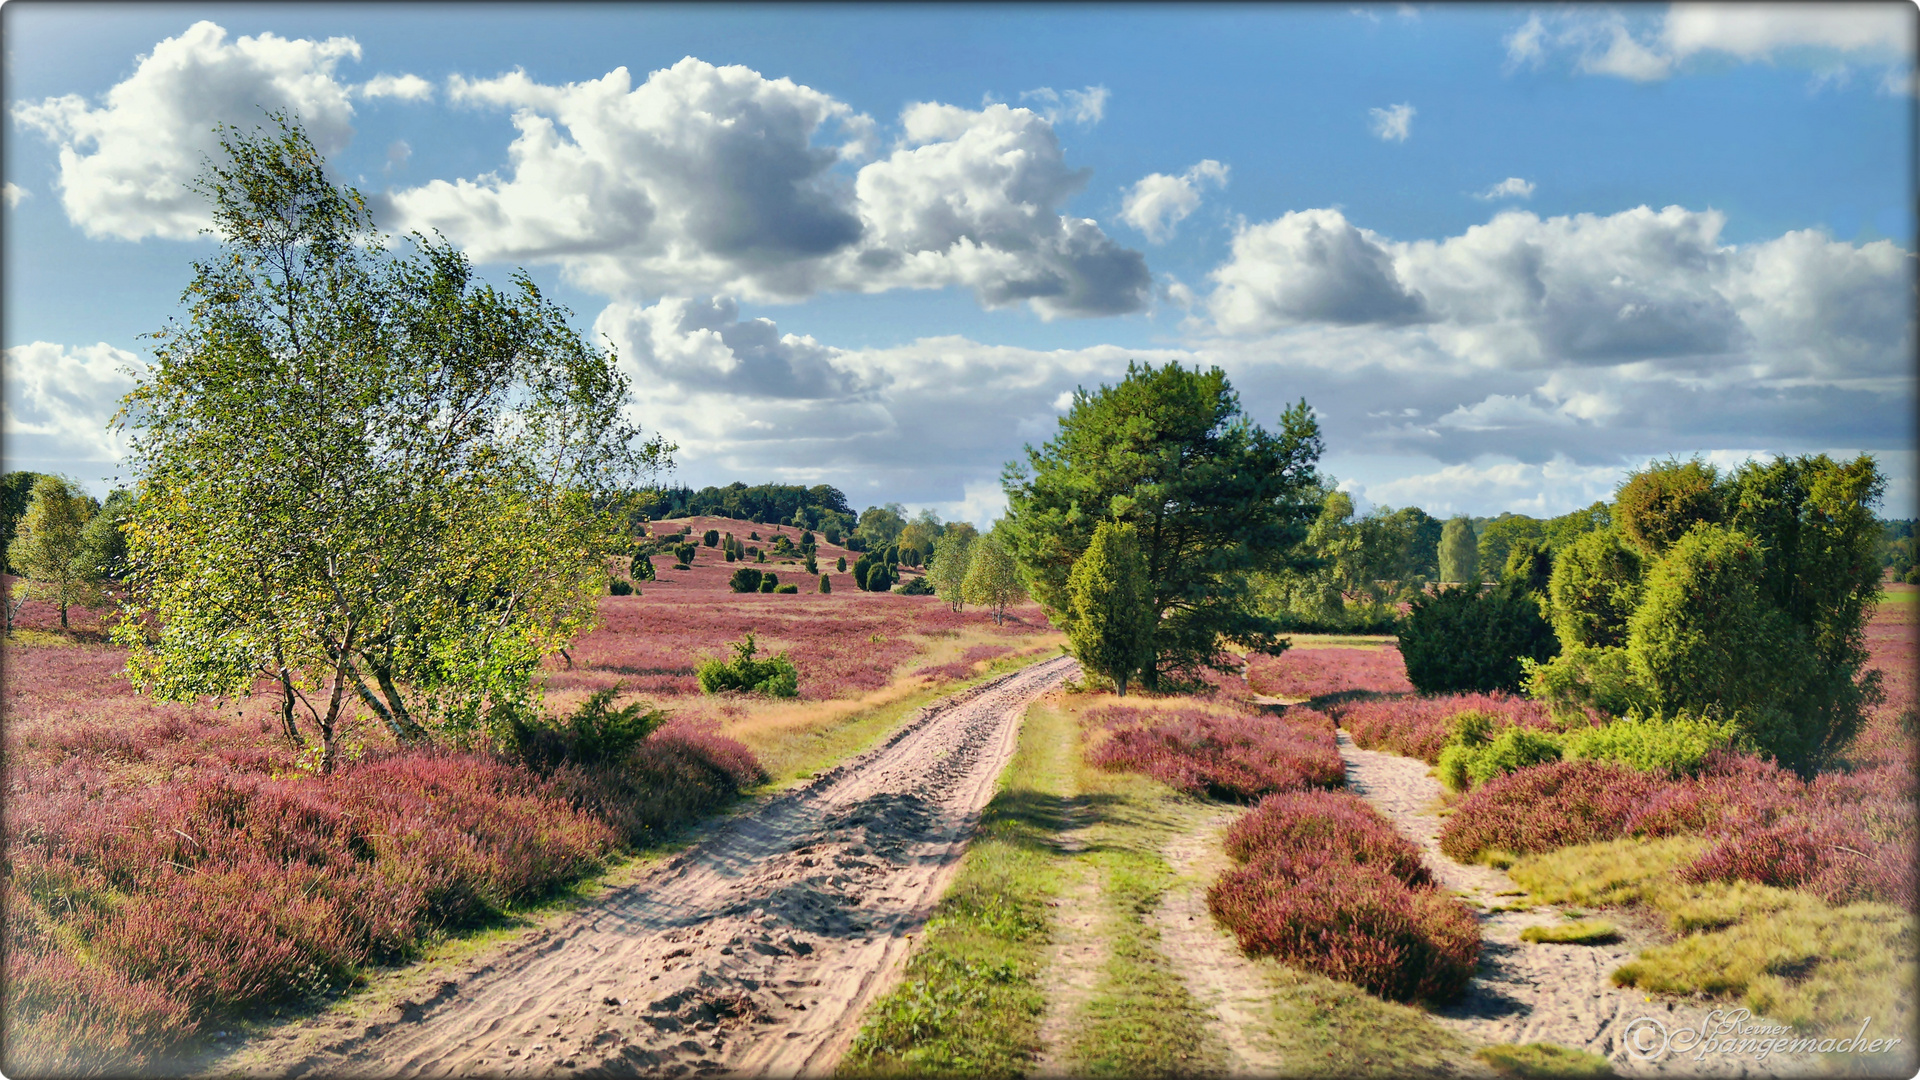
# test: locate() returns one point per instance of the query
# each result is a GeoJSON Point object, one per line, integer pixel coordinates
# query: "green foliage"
{"type": "Point", "coordinates": [685, 553]}
{"type": "Point", "coordinates": [1497, 540]}
{"type": "Point", "coordinates": [1656, 506]}
{"type": "Point", "coordinates": [760, 502]}
{"type": "Point", "coordinates": [1586, 677]}
{"type": "Point", "coordinates": [49, 548]}
{"type": "Point", "coordinates": [304, 512]}
{"type": "Point", "coordinates": [881, 525]}
{"type": "Point", "coordinates": [1460, 640]}
{"type": "Point", "coordinates": [1529, 568]}
{"type": "Point", "coordinates": [1212, 495]}
{"type": "Point", "coordinates": [826, 584]}
{"type": "Point", "coordinates": [641, 569]}
{"type": "Point", "coordinates": [745, 580]}
{"type": "Point", "coordinates": [786, 588]}
{"type": "Point", "coordinates": [1594, 589]}
{"type": "Point", "coordinates": [772, 677]}
{"type": "Point", "coordinates": [949, 569]}
{"type": "Point", "coordinates": [595, 732]}
{"type": "Point", "coordinates": [840, 564]}
{"type": "Point", "coordinates": [1513, 749]}
{"type": "Point", "coordinates": [769, 582]}
{"type": "Point", "coordinates": [620, 587]}
{"type": "Point", "coordinates": [15, 489]}
{"type": "Point", "coordinates": [810, 565]}
{"type": "Point", "coordinates": [1109, 606]}
{"type": "Point", "coordinates": [993, 578]}
{"type": "Point", "coordinates": [1655, 743]}
{"type": "Point", "coordinates": [711, 537]}
{"type": "Point", "coordinates": [1705, 639]}
{"type": "Point", "coordinates": [103, 544]}
{"type": "Point", "coordinates": [1474, 754]}
{"type": "Point", "coordinates": [919, 586]}
{"type": "Point", "coordinates": [1459, 554]}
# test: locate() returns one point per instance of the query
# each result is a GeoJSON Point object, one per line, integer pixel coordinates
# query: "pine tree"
{"type": "Point", "coordinates": [1110, 605]}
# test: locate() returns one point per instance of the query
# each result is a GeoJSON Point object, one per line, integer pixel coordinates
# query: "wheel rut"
{"type": "Point", "coordinates": [752, 953]}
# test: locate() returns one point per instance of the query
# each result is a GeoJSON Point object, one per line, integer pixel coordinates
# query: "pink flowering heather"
{"type": "Point", "coordinates": [1546, 807]}
{"type": "Point", "coordinates": [963, 667]}
{"type": "Point", "coordinates": [1236, 757]}
{"type": "Point", "coordinates": [1418, 727]}
{"type": "Point", "coordinates": [1325, 883]}
{"type": "Point", "coordinates": [1318, 673]}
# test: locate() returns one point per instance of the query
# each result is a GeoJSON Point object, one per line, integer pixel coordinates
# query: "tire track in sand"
{"type": "Point", "coordinates": [1529, 992]}
{"type": "Point", "coordinates": [751, 953]}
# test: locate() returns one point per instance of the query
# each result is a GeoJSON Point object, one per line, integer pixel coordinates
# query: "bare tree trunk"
{"type": "Point", "coordinates": [286, 703]}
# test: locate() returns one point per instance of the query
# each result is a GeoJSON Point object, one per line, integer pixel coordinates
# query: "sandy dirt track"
{"type": "Point", "coordinates": [1536, 991]}
{"type": "Point", "coordinates": [754, 952]}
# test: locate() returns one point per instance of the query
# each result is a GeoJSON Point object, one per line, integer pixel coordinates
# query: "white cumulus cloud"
{"type": "Point", "coordinates": [1156, 203]}
{"type": "Point", "coordinates": [1393, 123]}
{"type": "Point", "coordinates": [1308, 266]}
{"type": "Point", "coordinates": [1647, 48]}
{"type": "Point", "coordinates": [404, 87]}
{"type": "Point", "coordinates": [1511, 188]}
{"type": "Point", "coordinates": [124, 160]}
{"type": "Point", "coordinates": [1085, 107]}
{"type": "Point", "coordinates": [60, 398]}
{"type": "Point", "coordinates": [719, 180]}
{"type": "Point", "coordinates": [16, 194]}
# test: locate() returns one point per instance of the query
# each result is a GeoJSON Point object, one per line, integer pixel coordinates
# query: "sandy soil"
{"type": "Point", "coordinates": [1223, 981]}
{"type": "Point", "coordinates": [1540, 992]}
{"type": "Point", "coordinates": [754, 952]}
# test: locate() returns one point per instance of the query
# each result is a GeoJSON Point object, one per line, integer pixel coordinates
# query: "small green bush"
{"type": "Point", "coordinates": [620, 587]}
{"type": "Point", "coordinates": [1472, 757]}
{"type": "Point", "coordinates": [593, 733]}
{"type": "Point", "coordinates": [1460, 640]}
{"type": "Point", "coordinates": [773, 677]}
{"type": "Point", "coordinates": [826, 584]}
{"type": "Point", "coordinates": [744, 580]}
{"type": "Point", "coordinates": [685, 552]}
{"type": "Point", "coordinates": [917, 587]}
{"type": "Point", "coordinates": [786, 588]}
{"type": "Point", "coordinates": [729, 553]}
{"type": "Point", "coordinates": [769, 582]}
{"type": "Point", "coordinates": [1586, 677]}
{"type": "Point", "coordinates": [642, 567]}
{"type": "Point", "coordinates": [711, 538]}
{"type": "Point", "coordinates": [1514, 749]}
{"type": "Point", "coordinates": [1659, 744]}
{"type": "Point", "coordinates": [841, 564]}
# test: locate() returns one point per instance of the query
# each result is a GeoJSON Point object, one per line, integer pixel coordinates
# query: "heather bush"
{"type": "Point", "coordinates": [1459, 639]}
{"type": "Point", "coordinates": [1546, 807]}
{"type": "Point", "coordinates": [1318, 673]}
{"type": "Point", "coordinates": [1326, 884]}
{"type": "Point", "coordinates": [1421, 726]}
{"type": "Point", "coordinates": [1330, 822]}
{"type": "Point", "coordinates": [773, 677]}
{"type": "Point", "coordinates": [1238, 757]}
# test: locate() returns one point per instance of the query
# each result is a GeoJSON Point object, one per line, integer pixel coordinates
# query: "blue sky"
{"type": "Point", "coordinates": [1507, 253]}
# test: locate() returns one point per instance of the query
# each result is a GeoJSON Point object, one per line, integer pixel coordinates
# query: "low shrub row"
{"type": "Point", "coordinates": [235, 891]}
{"type": "Point", "coordinates": [1421, 727]}
{"type": "Point", "coordinates": [1325, 883]}
{"type": "Point", "coordinates": [1235, 757]}
{"type": "Point", "coordinates": [1842, 836]}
